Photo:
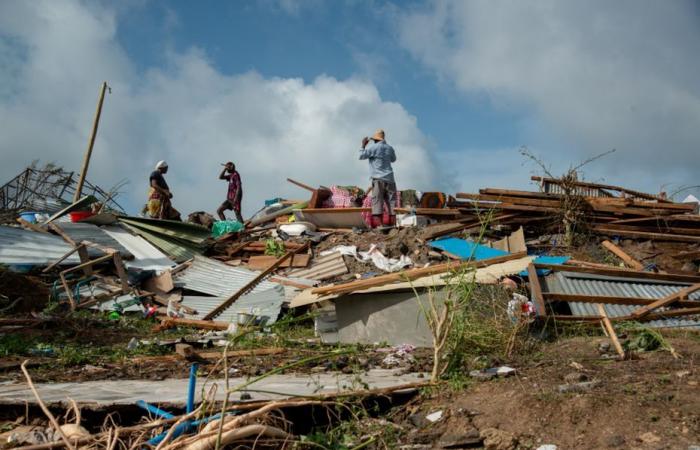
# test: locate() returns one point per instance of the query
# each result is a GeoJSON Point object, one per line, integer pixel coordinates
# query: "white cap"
{"type": "Point", "coordinates": [161, 164]}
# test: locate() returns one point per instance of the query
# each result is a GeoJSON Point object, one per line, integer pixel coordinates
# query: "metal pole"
{"type": "Point", "coordinates": [91, 143]}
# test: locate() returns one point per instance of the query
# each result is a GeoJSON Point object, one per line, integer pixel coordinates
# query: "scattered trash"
{"type": "Point", "coordinates": [434, 416]}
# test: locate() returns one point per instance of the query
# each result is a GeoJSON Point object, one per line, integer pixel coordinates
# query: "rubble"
{"type": "Point", "coordinates": [362, 286]}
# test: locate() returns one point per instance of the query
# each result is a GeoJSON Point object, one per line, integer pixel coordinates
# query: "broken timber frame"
{"type": "Point", "coordinates": [627, 259]}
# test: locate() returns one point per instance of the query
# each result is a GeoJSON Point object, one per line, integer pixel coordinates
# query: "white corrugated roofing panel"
{"type": "Point", "coordinates": [212, 277]}
{"type": "Point", "coordinates": [24, 247]}
{"type": "Point", "coordinates": [267, 303]}
{"type": "Point", "coordinates": [146, 256]}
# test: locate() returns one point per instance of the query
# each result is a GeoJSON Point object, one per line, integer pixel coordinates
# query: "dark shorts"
{"type": "Point", "coordinates": [228, 204]}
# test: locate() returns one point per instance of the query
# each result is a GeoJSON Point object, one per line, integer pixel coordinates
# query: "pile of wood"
{"type": "Point", "coordinates": [609, 210]}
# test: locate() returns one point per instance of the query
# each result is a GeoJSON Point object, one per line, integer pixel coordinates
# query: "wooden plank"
{"type": "Point", "coordinates": [536, 290]}
{"type": "Point", "coordinates": [31, 226]}
{"type": "Point", "coordinates": [623, 273]}
{"type": "Point", "coordinates": [84, 258]}
{"type": "Point", "coordinates": [89, 263]}
{"type": "Point", "coordinates": [666, 301]}
{"type": "Point", "coordinates": [62, 233]}
{"type": "Point", "coordinates": [611, 331]}
{"type": "Point", "coordinates": [657, 228]}
{"type": "Point", "coordinates": [59, 261]}
{"type": "Point", "coordinates": [672, 313]}
{"type": "Point", "coordinates": [605, 229]}
{"type": "Point", "coordinates": [251, 284]}
{"type": "Point", "coordinates": [601, 186]}
{"type": "Point", "coordinates": [121, 272]}
{"type": "Point", "coordinates": [411, 274]}
{"type": "Point", "coordinates": [264, 261]}
{"type": "Point", "coordinates": [687, 255]}
{"type": "Point", "coordinates": [516, 193]}
{"type": "Point", "coordinates": [511, 200]}
{"type": "Point", "coordinates": [627, 259]}
{"type": "Point", "coordinates": [66, 287]}
{"type": "Point", "coordinates": [172, 322]}
{"type": "Point", "coordinates": [610, 300]}
{"type": "Point", "coordinates": [301, 185]}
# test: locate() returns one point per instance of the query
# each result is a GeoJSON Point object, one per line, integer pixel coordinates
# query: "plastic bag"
{"type": "Point", "coordinates": [224, 227]}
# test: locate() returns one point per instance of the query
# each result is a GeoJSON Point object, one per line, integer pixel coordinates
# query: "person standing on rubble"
{"type": "Point", "coordinates": [159, 205]}
{"type": "Point", "coordinates": [234, 194]}
{"type": "Point", "coordinates": [380, 156]}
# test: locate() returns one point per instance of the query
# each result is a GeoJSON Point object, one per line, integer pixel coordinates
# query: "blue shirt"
{"type": "Point", "coordinates": [380, 156]}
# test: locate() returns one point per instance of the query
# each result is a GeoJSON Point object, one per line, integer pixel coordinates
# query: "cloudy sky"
{"type": "Point", "coordinates": [287, 88]}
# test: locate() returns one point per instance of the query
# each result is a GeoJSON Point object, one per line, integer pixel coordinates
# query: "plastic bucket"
{"type": "Point", "coordinates": [77, 216]}
{"type": "Point", "coordinates": [29, 216]}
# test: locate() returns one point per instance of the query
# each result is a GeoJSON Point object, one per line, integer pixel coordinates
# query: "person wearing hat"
{"type": "Point", "coordinates": [159, 205]}
{"type": "Point", "coordinates": [380, 156]}
{"type": "Point", "coordinates": [234, 194]}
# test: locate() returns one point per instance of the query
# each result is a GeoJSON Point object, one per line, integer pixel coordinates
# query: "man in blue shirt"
{"type": "Point", "coordinates": [380, 156]}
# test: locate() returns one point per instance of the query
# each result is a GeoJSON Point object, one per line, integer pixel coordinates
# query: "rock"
{"type": "Point", "coordinates": [495, 439]}
{"type": "Point", "coordinates": [73, 431]}
{"type": "Point", "coordinates": [694, 447]}
{"type": "Point", "coordinates": [434, 416]}
{"type": "Point", "coordinates": [649, 438]}
{"type": "Point", "coordinates": [577, 387]}
{"type": "Point", "coordinates": [683, 373]}
{"type": "Point", "coordinates": [418, 420]}
{"type": "Point", "coordinates": [547, 447]}
{"type": "Point", "coordinates": [575, 377]}
{"type": "Point", "coordinates": [604, 347]}
{"type": "Point", "coordinates": [575, 365]}
{"type": "Point", "coordinates": [615, 440]}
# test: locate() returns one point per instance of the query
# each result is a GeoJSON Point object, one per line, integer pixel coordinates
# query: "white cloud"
{"type": "Point", "coordinates": [592, 75]}
{"type": "Point", "coordinates": [54, 55]}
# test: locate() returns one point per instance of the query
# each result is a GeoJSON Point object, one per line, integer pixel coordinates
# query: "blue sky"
{"type": "Point", "coordinates": [287, 88]}
{"type": "Point", "coordinates": [339, 39]}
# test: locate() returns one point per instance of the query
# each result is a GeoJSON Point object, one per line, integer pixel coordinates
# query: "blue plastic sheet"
{"type": "Point", "coordinates": [467, 249]}
{"type": "Point", "coordinates": [555, 260]}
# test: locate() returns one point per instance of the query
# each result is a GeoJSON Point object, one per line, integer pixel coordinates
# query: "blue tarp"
{"type": "Point", "coordinates": [467, 249]}
{"type": "Point", "coordinates": [556, 260]}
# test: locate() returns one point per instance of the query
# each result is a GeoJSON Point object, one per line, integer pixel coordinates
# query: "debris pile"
{"type": "Point", "coordinates": [361, 282]}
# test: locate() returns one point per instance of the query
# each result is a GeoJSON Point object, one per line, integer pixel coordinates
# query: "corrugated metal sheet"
{"type": "Point", "coordinates": [267, 303]}
{"type": "Point", "coordinates": [146, 256]}
{"type": "Point", "coordinates": [88, 232]}
{"type": "Point", "coordinates": [322, 268]}
{"type": "Point", "coordinates": [585, 284]}
{"type": "Point", "coordinates": [23, 247]}
{"type": "Point", "coordinates": [195, 234]}
{"type": "Point", "coordinates": [212, 277]}
{"type": "Point", "coordinates": [177, 250]}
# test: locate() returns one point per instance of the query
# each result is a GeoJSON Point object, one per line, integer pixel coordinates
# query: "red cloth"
{"type": "Point", "coordinates": [340, 198]}
{"type": "Point", "coordinates": [367, 203]}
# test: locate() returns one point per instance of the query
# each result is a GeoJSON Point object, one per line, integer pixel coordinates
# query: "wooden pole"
{"type": "Point", "coordinates": [91, 143]}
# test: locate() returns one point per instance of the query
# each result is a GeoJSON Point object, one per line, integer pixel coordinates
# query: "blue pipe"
{"type": "Point", "coordinates": [191, 387]}
{"type": "Point", "coordinates": [155, 410]}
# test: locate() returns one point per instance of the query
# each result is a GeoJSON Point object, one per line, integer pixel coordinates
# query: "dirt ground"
{"type": "Point", "coordinates": [652, 402]}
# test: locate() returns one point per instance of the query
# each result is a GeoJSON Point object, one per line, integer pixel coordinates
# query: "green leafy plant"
{"type": "Point", "coordinates": [274, 248]}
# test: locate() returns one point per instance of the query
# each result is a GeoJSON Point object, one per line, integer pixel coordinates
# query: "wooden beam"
{"type": "Point", "coordinates": [610, 231]}
{"type": "Point", "coordinates": [627, 259]}
{"type": "Point", "coordinates": [623, 273]}
{"type": "Point", "coordinates": [252, 283]}
{"type": "Point", "coordinates": [611, 331]}
{"type": "Point", "coordinates": [687, 255]}
{"type": "Point", "coordinates": [669, 299]}
{"type": "Point", "coordinates": [59, 261]}
{"type": "Point", "coordinates": [301, 185]}
{"type": "Point", "coordinates": [410, 275]}
{"type": "Point", "coordinates": [610, 300]}
{"type": "Point", "coordinates": [536, 290]}
{"type": "Point", "coordinates": [31, 226]}
{"type": "Point", "coordinates": [91, 143]}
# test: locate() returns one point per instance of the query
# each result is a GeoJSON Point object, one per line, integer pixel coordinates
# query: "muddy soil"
{"type": "Point", "coordinates": [652, 402]}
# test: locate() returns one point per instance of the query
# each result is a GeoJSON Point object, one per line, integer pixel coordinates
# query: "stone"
{"type": "Point", "coordinates": [547, 447]}
{"type": "Point", "coordinates": [434, 416]}
{"type": "Point", "coordinates": [577, 387]}
{"type": "Point", "coordinates": [575, 377]}
{"type": "Point", "coordinates": [649, 438]}
{"type": "Point", "coordinates": [604, 347]}
{"type": "Point", "coordinates": [495, 439]}
{"type": "Point", "coordinates": [616, 440]}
